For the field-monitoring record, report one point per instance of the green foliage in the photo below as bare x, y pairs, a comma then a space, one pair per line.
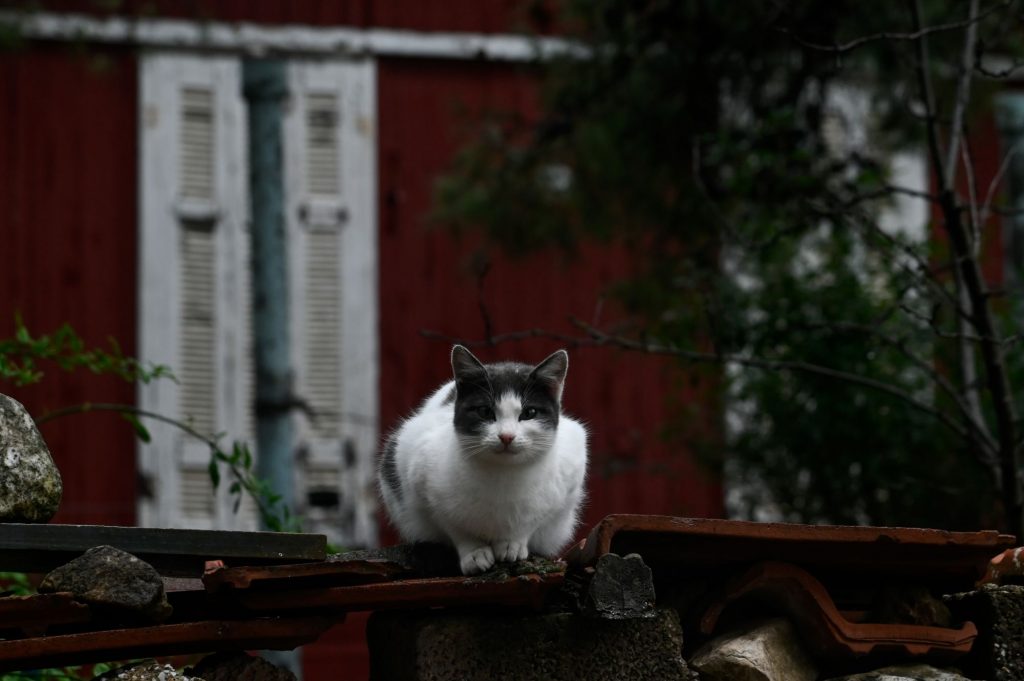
15, 584
275, 515
61, 674
708, 138
20, 357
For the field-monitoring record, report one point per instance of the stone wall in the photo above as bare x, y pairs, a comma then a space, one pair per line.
575, 640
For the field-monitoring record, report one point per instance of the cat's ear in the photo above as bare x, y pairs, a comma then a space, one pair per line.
551, 372
465, 366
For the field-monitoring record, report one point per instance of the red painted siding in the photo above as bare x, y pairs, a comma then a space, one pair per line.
427, 284
473, 16
67, 163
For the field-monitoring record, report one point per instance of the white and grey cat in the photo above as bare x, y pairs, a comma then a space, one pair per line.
489, 463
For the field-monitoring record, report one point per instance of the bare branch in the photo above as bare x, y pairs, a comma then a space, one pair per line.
993, 186
991, 347
600, 338
839, 48
907, 191
491, 341
963, 93
974, 225
209, 440
971, 416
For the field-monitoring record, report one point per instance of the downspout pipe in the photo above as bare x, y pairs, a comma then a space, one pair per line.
265, 87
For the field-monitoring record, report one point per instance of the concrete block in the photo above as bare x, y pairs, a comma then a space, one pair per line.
769, 650
447, 646
998, 612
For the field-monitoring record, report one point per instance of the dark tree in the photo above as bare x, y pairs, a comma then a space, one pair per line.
745, 151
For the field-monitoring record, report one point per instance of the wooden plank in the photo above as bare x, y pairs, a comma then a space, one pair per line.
173, 552
169, 639
33, 615
524, 591
708, 543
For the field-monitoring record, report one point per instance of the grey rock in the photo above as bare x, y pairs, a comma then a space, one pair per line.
998, 612
240, 667
768, 650
913, 672
148, 670
117, 585
910, 604
448, 646
621, 588
30, 484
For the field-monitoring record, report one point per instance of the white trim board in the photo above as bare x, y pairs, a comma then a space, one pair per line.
289, 39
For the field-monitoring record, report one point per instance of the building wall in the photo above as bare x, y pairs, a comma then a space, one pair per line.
473, 16
67, 242
70, 193
68, 184
428, 283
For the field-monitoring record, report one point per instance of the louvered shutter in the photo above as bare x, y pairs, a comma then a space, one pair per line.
195, 306
330, 150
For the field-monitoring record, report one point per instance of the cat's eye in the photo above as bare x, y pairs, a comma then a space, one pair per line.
485, 412
528, 413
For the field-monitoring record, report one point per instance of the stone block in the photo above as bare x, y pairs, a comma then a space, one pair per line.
116, 584
147, 670
30, 485
449, 646
621, 588
998, 612
910, 672
239, 667
769, 650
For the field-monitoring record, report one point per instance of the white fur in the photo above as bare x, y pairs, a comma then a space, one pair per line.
491, 503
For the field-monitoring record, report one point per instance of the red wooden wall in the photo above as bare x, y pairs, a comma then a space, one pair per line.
68, 187
67, 242
427, 283
472, 16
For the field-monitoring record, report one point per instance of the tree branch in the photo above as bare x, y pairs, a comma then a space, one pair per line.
991, 347
963, 93
839, 48
241, 476
600, 338
972, 417
993, 186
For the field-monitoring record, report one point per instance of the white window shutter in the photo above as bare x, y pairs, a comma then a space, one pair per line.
330, 171
194, 312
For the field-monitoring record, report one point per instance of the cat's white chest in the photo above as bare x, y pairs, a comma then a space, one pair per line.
493, 502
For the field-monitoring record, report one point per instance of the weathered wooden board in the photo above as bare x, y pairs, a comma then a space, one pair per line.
33, 615
40, 548
168, 639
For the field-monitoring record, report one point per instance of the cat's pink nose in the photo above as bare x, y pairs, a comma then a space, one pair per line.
506, 438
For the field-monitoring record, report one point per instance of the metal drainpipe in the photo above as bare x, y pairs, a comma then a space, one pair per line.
265, 88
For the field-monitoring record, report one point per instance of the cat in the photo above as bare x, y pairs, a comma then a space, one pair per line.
489, 463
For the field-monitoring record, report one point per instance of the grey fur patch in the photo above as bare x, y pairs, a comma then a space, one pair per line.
450, 397
389, 468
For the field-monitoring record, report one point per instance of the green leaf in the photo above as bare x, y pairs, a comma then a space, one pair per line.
140, 430
214, 470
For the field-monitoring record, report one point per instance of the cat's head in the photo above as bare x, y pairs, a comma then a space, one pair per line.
508, 411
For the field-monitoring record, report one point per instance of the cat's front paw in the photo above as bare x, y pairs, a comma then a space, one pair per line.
477, 561
510, 551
